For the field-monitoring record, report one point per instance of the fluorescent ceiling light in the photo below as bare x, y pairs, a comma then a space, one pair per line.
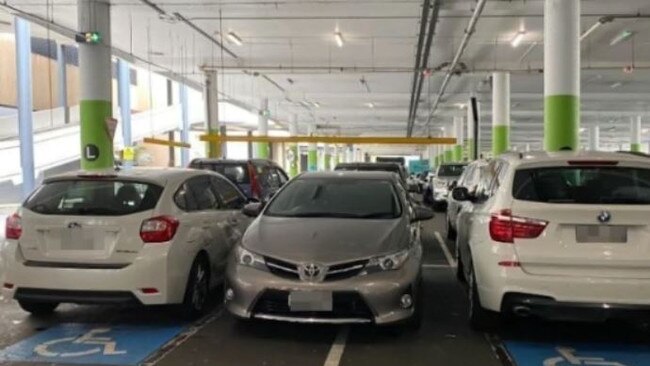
338, 37
518, 38
621, 37
460, 105
590, 30
234, 38
370, 105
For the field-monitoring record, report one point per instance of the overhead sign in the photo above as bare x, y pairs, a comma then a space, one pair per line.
577, 354
88, 344
418, 166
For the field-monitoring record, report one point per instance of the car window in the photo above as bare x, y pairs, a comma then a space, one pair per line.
451, 170
184, 198
230, 197
583, 185
484, 187
283, 177
235, 172
203, 194
466, 177
341, 198
100, 197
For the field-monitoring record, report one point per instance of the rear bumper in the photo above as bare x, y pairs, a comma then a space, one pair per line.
549, 308
93, 285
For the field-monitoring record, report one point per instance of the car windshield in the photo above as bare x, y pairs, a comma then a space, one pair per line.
94, 197
451, 170
344, 198
236, 173
583, 185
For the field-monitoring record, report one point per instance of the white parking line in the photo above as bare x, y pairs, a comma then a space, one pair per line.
336, 352
443, 246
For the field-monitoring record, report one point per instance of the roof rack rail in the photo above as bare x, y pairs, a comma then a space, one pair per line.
635, 153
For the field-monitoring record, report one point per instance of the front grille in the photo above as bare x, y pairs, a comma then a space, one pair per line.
345, 270
281, 268
346, 304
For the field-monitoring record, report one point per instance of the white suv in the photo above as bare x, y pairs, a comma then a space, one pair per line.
557, 235
144, 236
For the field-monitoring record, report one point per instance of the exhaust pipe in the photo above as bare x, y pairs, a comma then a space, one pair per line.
521, 311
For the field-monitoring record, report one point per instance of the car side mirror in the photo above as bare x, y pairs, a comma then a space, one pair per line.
453, 184
421, 214
461, 194
413, 188
252, 209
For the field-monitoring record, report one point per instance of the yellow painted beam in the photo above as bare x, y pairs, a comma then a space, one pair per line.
150, 140
380, 140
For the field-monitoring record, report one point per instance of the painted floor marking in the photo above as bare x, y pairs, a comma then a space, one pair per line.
577, 354
445, 250
336, 352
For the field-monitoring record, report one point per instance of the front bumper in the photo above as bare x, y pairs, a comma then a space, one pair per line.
373, 298
93, 285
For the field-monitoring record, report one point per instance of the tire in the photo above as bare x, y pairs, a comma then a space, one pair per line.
451, 233
38, 308
197, 291
480, 319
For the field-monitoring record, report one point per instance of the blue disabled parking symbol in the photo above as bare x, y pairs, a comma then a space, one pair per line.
577, 354
91, 344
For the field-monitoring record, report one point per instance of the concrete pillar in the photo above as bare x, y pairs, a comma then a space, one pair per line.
327, 150
594, 137
95, 81
185, 125
212, 113
312, 152
500, 113
527, 147
124, 99
24, 90
471, 151
262, 148
62, 78
293, 157
561, 75
460, 140
635, 130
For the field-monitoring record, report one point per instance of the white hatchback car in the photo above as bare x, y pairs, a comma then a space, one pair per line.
141, 236
558, 235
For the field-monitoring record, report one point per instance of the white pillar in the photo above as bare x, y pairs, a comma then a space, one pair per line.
460, 139
594, 138
312, 151
561, 75
212, 112
262, 148
500, 112
635, 130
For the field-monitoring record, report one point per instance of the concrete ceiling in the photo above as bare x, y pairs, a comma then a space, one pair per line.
290, 56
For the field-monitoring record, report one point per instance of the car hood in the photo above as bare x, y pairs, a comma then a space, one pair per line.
325, 240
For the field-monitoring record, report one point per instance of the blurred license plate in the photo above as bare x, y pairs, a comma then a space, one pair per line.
601, 234
310, 301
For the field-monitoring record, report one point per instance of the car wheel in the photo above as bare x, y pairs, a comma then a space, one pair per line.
38, 308
480, 319
451, 233
197, 291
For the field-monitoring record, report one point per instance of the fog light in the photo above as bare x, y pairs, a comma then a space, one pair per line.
406, 301
230, 294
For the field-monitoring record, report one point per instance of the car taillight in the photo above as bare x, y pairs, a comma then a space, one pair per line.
13, 227
158, 229
256, 189
505, 228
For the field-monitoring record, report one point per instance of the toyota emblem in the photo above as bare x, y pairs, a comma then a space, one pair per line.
604, 217
311, 271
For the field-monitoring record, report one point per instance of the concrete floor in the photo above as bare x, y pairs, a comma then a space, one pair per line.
444, 339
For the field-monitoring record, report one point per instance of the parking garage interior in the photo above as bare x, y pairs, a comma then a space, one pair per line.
325, 182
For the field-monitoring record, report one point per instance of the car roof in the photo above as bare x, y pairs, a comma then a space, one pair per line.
518, 158
347, 174
234, 161
368, 165
159, 175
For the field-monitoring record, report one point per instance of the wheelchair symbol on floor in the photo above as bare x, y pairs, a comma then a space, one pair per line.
97, 345
568, 357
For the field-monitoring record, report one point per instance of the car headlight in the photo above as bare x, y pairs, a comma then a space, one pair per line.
390, 262
249, 259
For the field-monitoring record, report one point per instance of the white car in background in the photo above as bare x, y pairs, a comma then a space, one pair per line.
558, 235
141, 236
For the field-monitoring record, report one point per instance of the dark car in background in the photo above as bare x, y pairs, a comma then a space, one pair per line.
378, 167
259, 179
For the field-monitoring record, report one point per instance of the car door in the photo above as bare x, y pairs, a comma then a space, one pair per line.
453, 206
232, 201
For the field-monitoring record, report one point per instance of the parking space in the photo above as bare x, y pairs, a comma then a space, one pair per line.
131, 336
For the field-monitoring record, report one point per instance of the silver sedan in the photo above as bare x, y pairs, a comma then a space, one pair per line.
339, 247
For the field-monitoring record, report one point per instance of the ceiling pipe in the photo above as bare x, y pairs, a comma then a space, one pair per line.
418, 55
452, 68
181, 18
425, 63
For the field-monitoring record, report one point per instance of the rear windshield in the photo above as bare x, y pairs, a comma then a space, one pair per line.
236, 173
94, 197
583, 185
451, 170
344, 198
